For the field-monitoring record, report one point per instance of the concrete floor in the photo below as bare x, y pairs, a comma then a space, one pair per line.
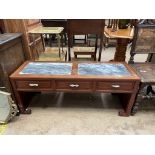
97, 113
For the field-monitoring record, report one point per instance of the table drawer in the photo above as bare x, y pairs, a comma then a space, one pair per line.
120, 86
74, 85
33, 84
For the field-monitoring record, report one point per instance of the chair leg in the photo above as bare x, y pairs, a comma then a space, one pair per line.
65, 38
106, 42
75, 55
50, 40
66, 56
93, 56
135, 107
138, 100
131, 60
73, 39
149, 58
85, 39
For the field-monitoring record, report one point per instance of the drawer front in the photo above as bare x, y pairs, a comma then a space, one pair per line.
74, 85
33, 84
114, 86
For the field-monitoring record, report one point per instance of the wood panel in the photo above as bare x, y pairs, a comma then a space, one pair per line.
23, 26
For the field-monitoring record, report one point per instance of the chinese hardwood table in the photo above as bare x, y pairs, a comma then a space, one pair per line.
122, 36
107, 77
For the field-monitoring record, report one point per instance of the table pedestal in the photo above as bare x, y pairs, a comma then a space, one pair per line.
121, 47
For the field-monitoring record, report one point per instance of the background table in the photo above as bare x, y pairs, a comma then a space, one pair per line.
122, 36
46, 30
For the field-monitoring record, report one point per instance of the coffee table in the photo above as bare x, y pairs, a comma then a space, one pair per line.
107, 77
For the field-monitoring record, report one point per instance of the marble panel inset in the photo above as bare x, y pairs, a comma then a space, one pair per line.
103, 69
46, 68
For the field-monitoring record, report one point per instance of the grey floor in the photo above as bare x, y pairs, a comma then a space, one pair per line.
83, 113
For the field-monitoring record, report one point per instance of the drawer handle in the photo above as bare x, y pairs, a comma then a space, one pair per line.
74, 85
115, 86
33, 85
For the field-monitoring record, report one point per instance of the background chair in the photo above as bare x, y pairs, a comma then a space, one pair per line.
144, 43
85, 27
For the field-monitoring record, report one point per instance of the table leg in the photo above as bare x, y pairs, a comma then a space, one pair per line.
128, 101
43, 41
62, 38
58, 41
69, 54
22, 99
100, 49
70, 41
35, 49
121, 47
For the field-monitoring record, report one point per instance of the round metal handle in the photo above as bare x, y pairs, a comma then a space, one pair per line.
74, 85
116, 86
33, 85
